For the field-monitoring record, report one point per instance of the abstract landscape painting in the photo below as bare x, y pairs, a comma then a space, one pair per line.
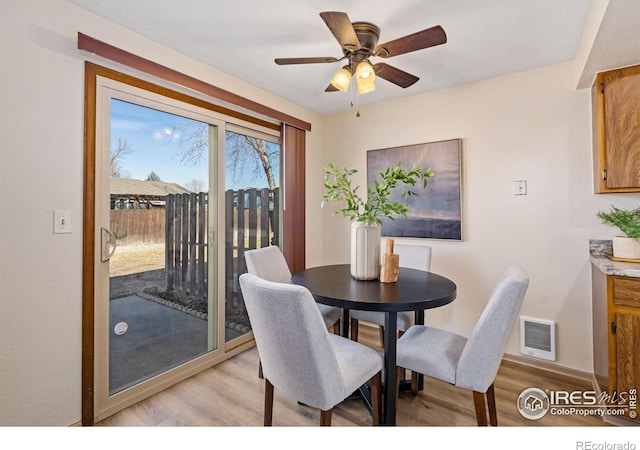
435, 211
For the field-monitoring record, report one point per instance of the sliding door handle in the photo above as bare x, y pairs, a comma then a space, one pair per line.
107, 239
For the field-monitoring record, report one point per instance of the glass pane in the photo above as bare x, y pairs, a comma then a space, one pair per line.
159, 290
253, 215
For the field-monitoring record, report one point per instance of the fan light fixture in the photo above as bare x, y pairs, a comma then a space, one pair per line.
342, 79
364, 70
365, 78
365, 87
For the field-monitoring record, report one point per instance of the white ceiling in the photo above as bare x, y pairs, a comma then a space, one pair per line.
486, 39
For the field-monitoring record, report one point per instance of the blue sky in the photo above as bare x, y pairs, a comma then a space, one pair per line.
155, 146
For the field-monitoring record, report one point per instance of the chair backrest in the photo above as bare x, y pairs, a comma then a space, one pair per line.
268, 263
293, 342
413, 256
483, 352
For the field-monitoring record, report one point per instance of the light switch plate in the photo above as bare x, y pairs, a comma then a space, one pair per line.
520, 187
61, 221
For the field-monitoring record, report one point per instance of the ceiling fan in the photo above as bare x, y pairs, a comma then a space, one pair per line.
359, 42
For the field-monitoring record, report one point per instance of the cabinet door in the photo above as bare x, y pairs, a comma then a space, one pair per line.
622, 127
628, 355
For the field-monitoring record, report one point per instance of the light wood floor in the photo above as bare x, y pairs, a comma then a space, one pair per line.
231, 395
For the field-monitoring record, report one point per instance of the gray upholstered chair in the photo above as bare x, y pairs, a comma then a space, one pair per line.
412, 256
269, 263
300, 357
468, 363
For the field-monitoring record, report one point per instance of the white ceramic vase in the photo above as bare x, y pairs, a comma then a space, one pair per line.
626, 248
365, 251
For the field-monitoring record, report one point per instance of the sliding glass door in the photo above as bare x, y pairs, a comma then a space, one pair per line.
158, 317
253, 212
158, 243
180, 191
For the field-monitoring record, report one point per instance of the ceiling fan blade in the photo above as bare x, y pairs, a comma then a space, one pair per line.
342, 29
395, 75
331, 88
312, 60
417, 41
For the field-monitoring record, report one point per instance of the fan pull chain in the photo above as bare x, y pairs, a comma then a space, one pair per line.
357, 112
354, 93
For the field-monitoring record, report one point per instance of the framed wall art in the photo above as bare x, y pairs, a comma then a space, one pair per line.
435, 211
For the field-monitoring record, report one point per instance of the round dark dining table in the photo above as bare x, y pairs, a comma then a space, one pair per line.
415, 290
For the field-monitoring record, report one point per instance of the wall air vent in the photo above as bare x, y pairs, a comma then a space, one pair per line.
538, 338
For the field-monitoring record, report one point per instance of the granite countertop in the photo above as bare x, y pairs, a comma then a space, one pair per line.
598, 250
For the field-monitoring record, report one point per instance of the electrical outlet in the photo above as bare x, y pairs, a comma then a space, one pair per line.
61, 221
520, 187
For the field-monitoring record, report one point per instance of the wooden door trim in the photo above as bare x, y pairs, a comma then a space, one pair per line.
116, 54
88, 246
293, 239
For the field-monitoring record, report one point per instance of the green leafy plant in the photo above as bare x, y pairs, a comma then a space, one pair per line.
626, 220
339, 189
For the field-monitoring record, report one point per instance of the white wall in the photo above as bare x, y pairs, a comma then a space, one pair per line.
531, 126
41, 169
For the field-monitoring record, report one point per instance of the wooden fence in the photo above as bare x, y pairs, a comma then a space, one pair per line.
132, 226
251, 221
249, 224
186, 238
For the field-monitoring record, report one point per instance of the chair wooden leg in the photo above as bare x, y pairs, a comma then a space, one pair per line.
354, 330
268, 403
336, 327
403, 373
325, 418
376, 399
414, 382
399, 371
491, 403
481, 412
260, 374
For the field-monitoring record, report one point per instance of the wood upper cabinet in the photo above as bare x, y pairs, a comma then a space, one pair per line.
615, 99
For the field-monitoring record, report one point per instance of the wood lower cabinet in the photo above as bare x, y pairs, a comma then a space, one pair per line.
615, 98
627, 352
616, 337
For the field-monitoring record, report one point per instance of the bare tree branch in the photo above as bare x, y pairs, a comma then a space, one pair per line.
193, 138
244, 153
195, 185
117, 155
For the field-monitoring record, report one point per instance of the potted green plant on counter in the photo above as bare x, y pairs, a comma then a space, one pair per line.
627, 221
366, 214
